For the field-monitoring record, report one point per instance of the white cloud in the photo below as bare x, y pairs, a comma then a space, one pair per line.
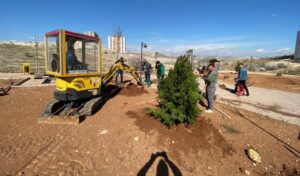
260, 50
208, 47
283, 50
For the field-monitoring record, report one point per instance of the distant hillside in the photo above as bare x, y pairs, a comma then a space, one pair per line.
13, 55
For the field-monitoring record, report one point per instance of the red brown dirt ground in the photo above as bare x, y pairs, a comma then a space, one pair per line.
5, 82
284, 83
121, 140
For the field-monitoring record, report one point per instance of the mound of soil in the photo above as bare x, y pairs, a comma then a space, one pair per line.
286, 171
132, 90
201, 135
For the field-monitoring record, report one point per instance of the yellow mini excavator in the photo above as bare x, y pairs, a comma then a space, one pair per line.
75, 61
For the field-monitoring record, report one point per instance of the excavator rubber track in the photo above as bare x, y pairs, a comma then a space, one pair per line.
91, 106
53, 108
94, 104
59, 112
51, 114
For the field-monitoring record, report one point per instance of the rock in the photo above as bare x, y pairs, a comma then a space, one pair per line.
253, 155
136, 138
247, 172
103, 132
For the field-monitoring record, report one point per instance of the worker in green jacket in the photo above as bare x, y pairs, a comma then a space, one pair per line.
210, 81
160, 70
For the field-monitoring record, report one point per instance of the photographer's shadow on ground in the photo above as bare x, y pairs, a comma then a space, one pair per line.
162, 168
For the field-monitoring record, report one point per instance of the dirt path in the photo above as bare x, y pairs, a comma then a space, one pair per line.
120, 139
269, 81
276, 104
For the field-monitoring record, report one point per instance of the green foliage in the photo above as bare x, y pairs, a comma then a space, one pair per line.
178, 95
295, 71
279, 74
27, 54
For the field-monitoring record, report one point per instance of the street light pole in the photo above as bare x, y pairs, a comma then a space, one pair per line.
37, 54
143, 45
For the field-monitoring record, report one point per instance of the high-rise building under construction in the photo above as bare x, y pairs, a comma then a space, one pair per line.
117, 43
297, 48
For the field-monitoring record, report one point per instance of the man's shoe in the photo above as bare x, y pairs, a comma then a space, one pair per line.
209, 111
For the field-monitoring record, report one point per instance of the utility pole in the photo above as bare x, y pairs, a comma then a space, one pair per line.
37, 54
251, 62
143, 45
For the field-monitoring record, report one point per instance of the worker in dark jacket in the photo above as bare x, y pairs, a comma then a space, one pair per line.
242, 79
147, 70
210, 81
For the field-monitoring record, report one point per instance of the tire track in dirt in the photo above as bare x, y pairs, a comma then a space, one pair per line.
44, 154
21, 130
18, 149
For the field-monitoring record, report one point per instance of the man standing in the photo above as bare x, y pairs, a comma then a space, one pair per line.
160, 70
242, 78
216, 65
147, 69
210, 81
120, 72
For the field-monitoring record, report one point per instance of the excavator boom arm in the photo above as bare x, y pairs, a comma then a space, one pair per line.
120, 67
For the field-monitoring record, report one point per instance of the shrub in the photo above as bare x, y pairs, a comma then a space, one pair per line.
178, 95
271, 66
279, 74
281, 65
295, 71
27, 54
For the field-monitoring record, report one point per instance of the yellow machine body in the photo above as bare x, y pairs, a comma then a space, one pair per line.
74, 82
75, 61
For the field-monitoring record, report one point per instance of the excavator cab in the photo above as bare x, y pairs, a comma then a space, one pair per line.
75, 60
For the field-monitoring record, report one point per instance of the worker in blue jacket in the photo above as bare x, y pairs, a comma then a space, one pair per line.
242, 79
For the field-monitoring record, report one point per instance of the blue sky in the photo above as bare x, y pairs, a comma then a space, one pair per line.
210, 27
